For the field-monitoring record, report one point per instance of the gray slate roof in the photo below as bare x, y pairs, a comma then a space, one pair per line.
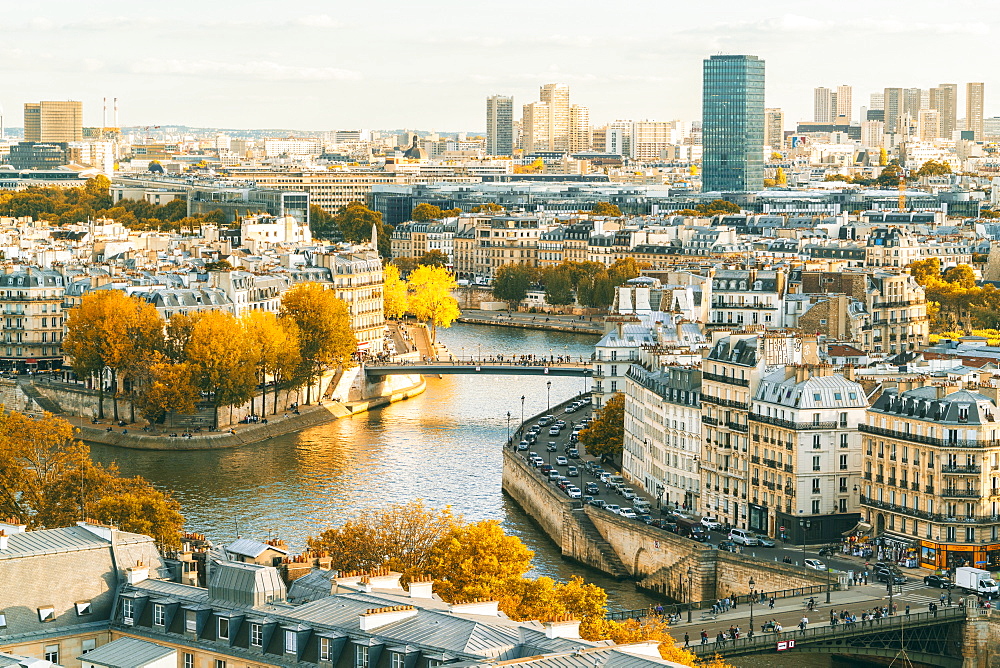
127, 653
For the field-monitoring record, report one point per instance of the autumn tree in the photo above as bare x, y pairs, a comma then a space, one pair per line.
431, 299
716, 207
605, 435
164, 387
48, 480
558, 285
223, 358
322, 224
178, 335
326, 338
487, 207
405, 265
355, 222
394, 293
511, 283
425, 212
934, 168
276, 342
606, 209
780, 178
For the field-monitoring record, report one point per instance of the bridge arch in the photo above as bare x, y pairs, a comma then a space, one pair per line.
635, 562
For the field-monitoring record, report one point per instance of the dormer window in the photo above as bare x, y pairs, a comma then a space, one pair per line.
963, 413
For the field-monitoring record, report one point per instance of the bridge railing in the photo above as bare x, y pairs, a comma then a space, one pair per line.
744, 599
763, 640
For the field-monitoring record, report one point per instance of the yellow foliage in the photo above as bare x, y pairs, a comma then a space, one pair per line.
431, 299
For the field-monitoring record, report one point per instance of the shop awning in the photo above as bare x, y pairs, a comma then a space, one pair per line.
860, 527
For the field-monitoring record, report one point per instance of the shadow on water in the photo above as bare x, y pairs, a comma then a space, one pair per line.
443, 446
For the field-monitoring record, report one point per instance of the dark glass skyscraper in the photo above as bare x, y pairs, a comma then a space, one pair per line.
732, 124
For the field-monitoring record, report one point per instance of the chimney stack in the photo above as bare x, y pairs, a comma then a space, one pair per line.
375, 618
422, 589
3, 541
136, 574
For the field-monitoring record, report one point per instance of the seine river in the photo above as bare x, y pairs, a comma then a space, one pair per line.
443, 446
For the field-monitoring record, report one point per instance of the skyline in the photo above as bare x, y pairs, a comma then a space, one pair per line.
312, 69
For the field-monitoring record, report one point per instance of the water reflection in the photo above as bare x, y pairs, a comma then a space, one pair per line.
442, 446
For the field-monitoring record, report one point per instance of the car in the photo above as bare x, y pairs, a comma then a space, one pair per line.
815, 564
534, 429
764, 541
553, 474
573, 472
531, 438
887, 576
547, 420
546, 468
727, 546
644, 517
532, 454
628, 493
574, 492
587, 498
887, 566
536, 461
553, 431
561, 424
710, 522
743, 537
627, 513
592, 488
600, 503
551, 447
561, 461
612, 507
604, 476
570, 409
938, 581
523, 445
642, 505
573, 453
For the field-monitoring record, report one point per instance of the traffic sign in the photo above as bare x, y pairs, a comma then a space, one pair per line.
785, 644
782, 529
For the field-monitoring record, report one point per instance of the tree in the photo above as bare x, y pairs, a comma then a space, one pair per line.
716, 207
924, 271
326, 338
277, 344
487, 207
780, 178
961, 275
424, 212
394, 293
355, 222
48, 480
221, 265
511, 283
934, 168
431, 299
625, 269
890, 176
400, 536
434, 258
165, 387
606, 209
110, 330
223, 358
605, 435
837, 177
883, 157
405, 265
322, 224
477, 561
558, 286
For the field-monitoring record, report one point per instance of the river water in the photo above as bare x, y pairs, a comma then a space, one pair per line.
443, 446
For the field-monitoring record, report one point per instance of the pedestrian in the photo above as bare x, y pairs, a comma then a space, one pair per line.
803, 623
720, 639
704, 637
942, 598
907, 611
687, 639
770, 605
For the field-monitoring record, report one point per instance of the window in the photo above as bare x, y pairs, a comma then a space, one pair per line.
324, 649
815, 507
52, 653
3, 621
815, 486
190, 621
816, 465
257, 635
843, 462
188, 660
46, 613
88, 645
291, 642
816, 442
361, 656
843, 441
83, 608
127, 610
223, 628
396, 660
159, 614
970, 534
220, 663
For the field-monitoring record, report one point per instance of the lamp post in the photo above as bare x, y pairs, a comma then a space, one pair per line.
521, 428
508, 427
805, 525
690, 596
752, 585
548, 396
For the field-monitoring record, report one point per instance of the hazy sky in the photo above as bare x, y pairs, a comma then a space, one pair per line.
430, 64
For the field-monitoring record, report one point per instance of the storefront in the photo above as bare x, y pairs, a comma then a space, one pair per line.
950, 556
759, 521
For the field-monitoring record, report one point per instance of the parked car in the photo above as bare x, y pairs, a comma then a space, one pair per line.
641, 505
627, 513
523, 445
574, 492
628, 493
815, 564
612, 507
600, 503
938, 581
711, 522
592, 488
551, 447
554, 473
764, 541
561, 461
743, 537
572, 472
644, 517
727, 546
546, 468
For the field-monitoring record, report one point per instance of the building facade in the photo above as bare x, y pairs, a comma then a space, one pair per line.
500, 125
53, 121
733, 124
31, 303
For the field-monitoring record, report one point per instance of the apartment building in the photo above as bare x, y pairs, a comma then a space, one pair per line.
805, 461
897, 306
53, 121
730, 376
747, 297
357, 277
31, 315
930, 481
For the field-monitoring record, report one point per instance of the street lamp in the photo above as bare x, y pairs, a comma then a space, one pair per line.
805, 526
508, 427
521, 428
752, 585
548, 396
690, 597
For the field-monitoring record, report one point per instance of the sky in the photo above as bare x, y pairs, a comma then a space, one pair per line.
429, 65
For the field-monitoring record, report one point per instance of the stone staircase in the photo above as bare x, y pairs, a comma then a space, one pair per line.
43, 403
583, 542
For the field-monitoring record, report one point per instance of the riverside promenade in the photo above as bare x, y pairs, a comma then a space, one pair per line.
542, 321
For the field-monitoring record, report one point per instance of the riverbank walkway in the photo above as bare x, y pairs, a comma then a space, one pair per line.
541, 321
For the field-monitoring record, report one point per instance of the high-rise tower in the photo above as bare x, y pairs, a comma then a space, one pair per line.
500, 125
53, 121
974, 108
733, 123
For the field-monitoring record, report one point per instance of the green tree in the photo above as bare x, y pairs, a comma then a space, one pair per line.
889, 178
606, 209
434, 258
558, 286
326, 338
323, 225
605, 436
355, 223
431, 299
511, 283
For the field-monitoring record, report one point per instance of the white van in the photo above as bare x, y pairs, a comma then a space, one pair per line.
742, 537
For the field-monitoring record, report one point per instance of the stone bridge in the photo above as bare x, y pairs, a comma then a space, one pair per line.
446, 366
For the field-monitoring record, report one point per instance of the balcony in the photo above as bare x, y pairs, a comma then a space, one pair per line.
961, 493
709, 399
928, 440
892, 481
790, 491
933, 517
915, 486
754, 459
770, 463
966, 469
769, 485
788, 424
879, 478
705, 419
754, 481
929, 489
868, 476
736, 426
729, 380
788, 468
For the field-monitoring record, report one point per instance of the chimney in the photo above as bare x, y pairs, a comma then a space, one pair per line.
477, 607
136, 574
422, 589
12, 525
375, 618
563, 626
3, 541
98, 529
